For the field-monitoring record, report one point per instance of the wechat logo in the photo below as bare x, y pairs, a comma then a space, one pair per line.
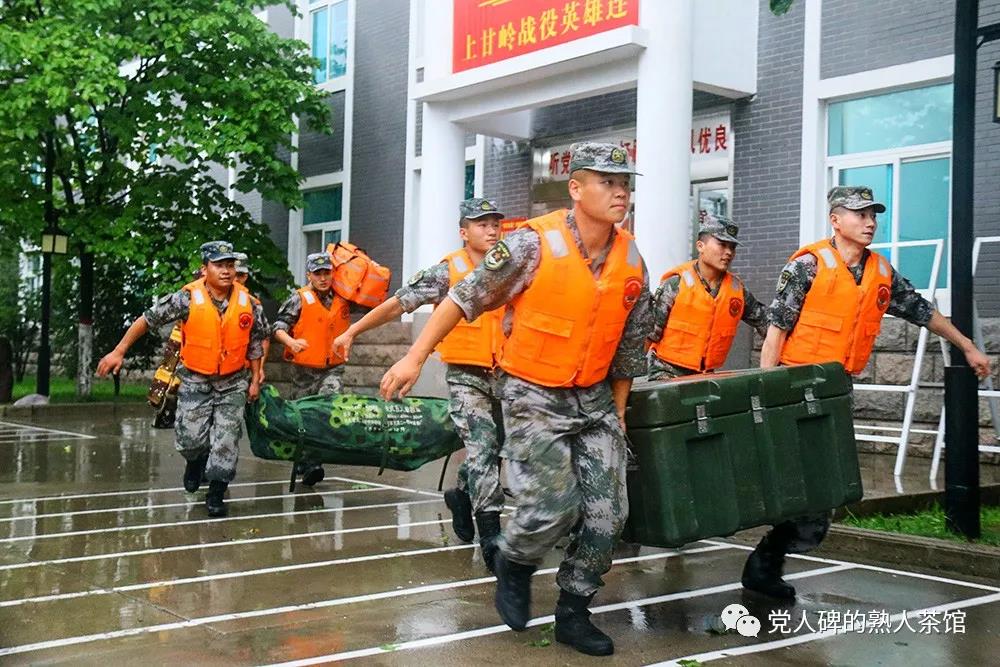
736, 617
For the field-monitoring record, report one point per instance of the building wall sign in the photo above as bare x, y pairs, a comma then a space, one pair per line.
487, 31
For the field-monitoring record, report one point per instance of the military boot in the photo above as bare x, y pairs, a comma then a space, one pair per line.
488, 525
513, 598
193, 473
573, 626
214, 502
460, 504
763, 570
313, 475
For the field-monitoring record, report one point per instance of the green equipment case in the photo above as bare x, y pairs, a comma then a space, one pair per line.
722, 452
350, 429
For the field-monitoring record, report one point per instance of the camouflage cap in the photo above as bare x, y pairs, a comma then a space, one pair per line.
721, 228
477, 207
319, 261
605, 158
242, 262
217, 251
853, 197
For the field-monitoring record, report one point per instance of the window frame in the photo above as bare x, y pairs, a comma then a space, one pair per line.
307, 7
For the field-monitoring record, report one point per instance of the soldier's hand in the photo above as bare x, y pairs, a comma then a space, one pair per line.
342, 345
261, 376
254, 391
979, 363
110, 363
399, 379
298, 345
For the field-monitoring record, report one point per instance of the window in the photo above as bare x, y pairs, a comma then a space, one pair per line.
899, 145
470, 180
321, 218
328, 21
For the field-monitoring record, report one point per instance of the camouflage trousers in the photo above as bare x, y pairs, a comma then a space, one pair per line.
308, 381
565, 451
801, 534
663, 370
210, 421
475, 411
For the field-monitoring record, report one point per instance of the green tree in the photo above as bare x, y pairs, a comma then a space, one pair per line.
139, 102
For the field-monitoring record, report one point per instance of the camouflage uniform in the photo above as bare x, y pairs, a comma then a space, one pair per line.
794, 282
475, 404
307, 381
754, 314
565, 446
210, 407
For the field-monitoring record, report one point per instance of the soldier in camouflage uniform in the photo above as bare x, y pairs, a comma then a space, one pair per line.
475, 405
242, 276
323, 380
853, 213
564, 442
210, 406
717, 241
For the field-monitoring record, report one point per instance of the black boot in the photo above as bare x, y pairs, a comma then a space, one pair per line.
214, 502
763, 569
513, 599
460, 504
313, 475
573, 626
193, 473
488, 525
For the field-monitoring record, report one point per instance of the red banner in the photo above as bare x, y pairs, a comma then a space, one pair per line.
487, 31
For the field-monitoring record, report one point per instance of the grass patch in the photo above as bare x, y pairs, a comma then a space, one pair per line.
63, 390
929, 523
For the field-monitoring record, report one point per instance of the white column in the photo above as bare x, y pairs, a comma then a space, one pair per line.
663, 135
442, 186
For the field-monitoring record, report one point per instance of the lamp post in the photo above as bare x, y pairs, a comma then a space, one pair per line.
54, 242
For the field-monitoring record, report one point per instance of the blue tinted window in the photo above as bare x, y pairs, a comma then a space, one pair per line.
470, 180
879, 178
320, 39
322, 206
338, 40
893, 120
924, 188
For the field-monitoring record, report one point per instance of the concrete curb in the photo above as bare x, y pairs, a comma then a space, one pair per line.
96, 410
909, 503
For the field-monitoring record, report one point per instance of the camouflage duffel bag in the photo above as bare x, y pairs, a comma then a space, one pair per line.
350, 429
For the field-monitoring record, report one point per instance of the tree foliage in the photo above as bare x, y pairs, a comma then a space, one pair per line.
146, 103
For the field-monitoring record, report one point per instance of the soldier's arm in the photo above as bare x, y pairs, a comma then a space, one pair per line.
630, 356
754, 312
663, 302
112, 361
790, 293
170, 308
288, 316
259, 332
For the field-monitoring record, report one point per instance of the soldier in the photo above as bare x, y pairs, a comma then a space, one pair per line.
830, 300
242, 276
314, 315
470, 352
699, 305
579, 312
223, 333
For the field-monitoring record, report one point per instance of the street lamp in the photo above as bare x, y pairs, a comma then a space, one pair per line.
996, 92
54, 242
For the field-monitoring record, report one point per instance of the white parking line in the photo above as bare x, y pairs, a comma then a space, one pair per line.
497, 629
190, 503
219, 618
195, 522
225, 543
106, 494
81, 436
387, 486
813, 636
234, 575
875, 568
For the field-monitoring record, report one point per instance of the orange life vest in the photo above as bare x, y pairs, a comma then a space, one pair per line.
568, 323
320, 327
212, 344
700, 329
474, 343
840, 319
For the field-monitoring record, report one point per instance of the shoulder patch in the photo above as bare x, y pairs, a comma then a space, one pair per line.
415, 278
497, 256
783, 281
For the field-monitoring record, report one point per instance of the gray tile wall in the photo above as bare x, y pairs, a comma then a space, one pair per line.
324, 153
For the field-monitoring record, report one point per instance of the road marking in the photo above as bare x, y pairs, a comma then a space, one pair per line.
813, 636
232, 575
225, 543
233, 616
190, 503
25, 427
875, 568
497, 629
195, 522
106, 494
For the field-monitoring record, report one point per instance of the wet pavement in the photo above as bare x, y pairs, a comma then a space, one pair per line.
105, 560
